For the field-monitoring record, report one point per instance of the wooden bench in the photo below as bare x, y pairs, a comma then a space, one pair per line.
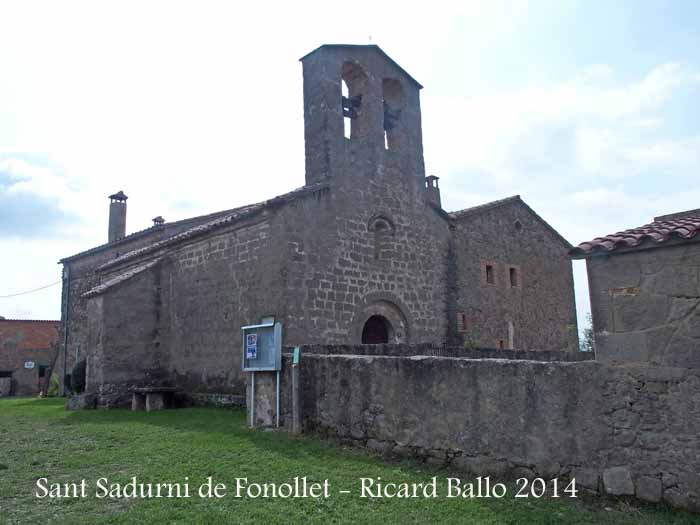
150, 398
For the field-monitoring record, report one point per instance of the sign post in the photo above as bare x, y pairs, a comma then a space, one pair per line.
262, 352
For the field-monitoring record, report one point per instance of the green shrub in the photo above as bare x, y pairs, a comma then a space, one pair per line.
53, 386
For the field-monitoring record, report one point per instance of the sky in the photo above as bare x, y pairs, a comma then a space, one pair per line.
587, 109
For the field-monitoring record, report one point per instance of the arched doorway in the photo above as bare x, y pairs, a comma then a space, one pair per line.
376, 331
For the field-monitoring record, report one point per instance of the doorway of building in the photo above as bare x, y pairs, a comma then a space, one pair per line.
376, 331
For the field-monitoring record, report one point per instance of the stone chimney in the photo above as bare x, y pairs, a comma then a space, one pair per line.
432, 190
117, 216
158, 221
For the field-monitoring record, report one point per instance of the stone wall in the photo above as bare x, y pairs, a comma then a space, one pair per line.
624, 430
539, 306
128, 339
361, 240
23, 341
215, 286
79, 276
25, 381
433, 350
646, 305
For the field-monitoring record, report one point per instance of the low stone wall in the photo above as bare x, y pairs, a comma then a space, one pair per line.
428, 349
622, 430
217, 400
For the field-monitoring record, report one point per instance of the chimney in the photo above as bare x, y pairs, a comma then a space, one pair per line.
158, 221
117, 216
432, 190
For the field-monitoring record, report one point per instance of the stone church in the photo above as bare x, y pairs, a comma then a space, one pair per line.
362, 253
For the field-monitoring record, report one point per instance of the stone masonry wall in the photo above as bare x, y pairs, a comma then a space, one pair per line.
21, 342
624, 430
540, 307
436, 350
79, 276
215, 286
128, 344
646, 305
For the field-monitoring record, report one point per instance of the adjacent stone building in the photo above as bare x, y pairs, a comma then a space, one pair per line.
27, 351
362, 253
645, 292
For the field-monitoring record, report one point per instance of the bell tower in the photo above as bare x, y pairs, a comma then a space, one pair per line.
361, 116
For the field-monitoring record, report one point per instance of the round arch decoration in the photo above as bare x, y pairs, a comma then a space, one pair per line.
381, 308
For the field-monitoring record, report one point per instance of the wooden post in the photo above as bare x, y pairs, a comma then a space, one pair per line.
296, 392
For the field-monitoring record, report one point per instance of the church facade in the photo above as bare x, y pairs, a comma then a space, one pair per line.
362, 253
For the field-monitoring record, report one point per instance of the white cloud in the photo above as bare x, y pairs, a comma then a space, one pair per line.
587, 153
193, 109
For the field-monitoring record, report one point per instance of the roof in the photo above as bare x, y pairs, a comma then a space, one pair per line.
231, 217
683, 226
515, 199
156, 228
28, 334
369, 46
474, 210
119, 196
114, 281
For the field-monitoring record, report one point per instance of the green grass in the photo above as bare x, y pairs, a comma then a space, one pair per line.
39, 439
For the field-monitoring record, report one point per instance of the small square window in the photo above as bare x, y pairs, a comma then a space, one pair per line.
514, 277
462, 322
490, 277
501, 344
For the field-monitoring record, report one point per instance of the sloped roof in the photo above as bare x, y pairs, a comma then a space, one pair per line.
28, 334
515, 199
474, 210
143, 233
114, 281
368, 46
676, 226
231, 217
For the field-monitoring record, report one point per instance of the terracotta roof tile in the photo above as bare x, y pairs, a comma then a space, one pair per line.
683, 226
114, 281
232, 217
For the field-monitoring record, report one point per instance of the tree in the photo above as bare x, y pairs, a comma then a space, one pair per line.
587, 343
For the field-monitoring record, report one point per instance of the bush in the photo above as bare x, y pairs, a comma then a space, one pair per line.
587, 341
53, 387
77, 381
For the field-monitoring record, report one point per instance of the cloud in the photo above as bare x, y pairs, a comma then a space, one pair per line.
187, 122
552, 142
32, 200
592, 154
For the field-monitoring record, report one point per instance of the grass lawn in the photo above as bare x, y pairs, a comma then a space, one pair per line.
38, 438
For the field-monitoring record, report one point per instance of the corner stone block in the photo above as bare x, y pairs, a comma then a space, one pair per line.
81, 402
587, 478
649, 489
618, 481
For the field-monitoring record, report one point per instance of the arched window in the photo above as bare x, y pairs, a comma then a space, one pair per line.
383, 229
353, 85
347, 110
392, 95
